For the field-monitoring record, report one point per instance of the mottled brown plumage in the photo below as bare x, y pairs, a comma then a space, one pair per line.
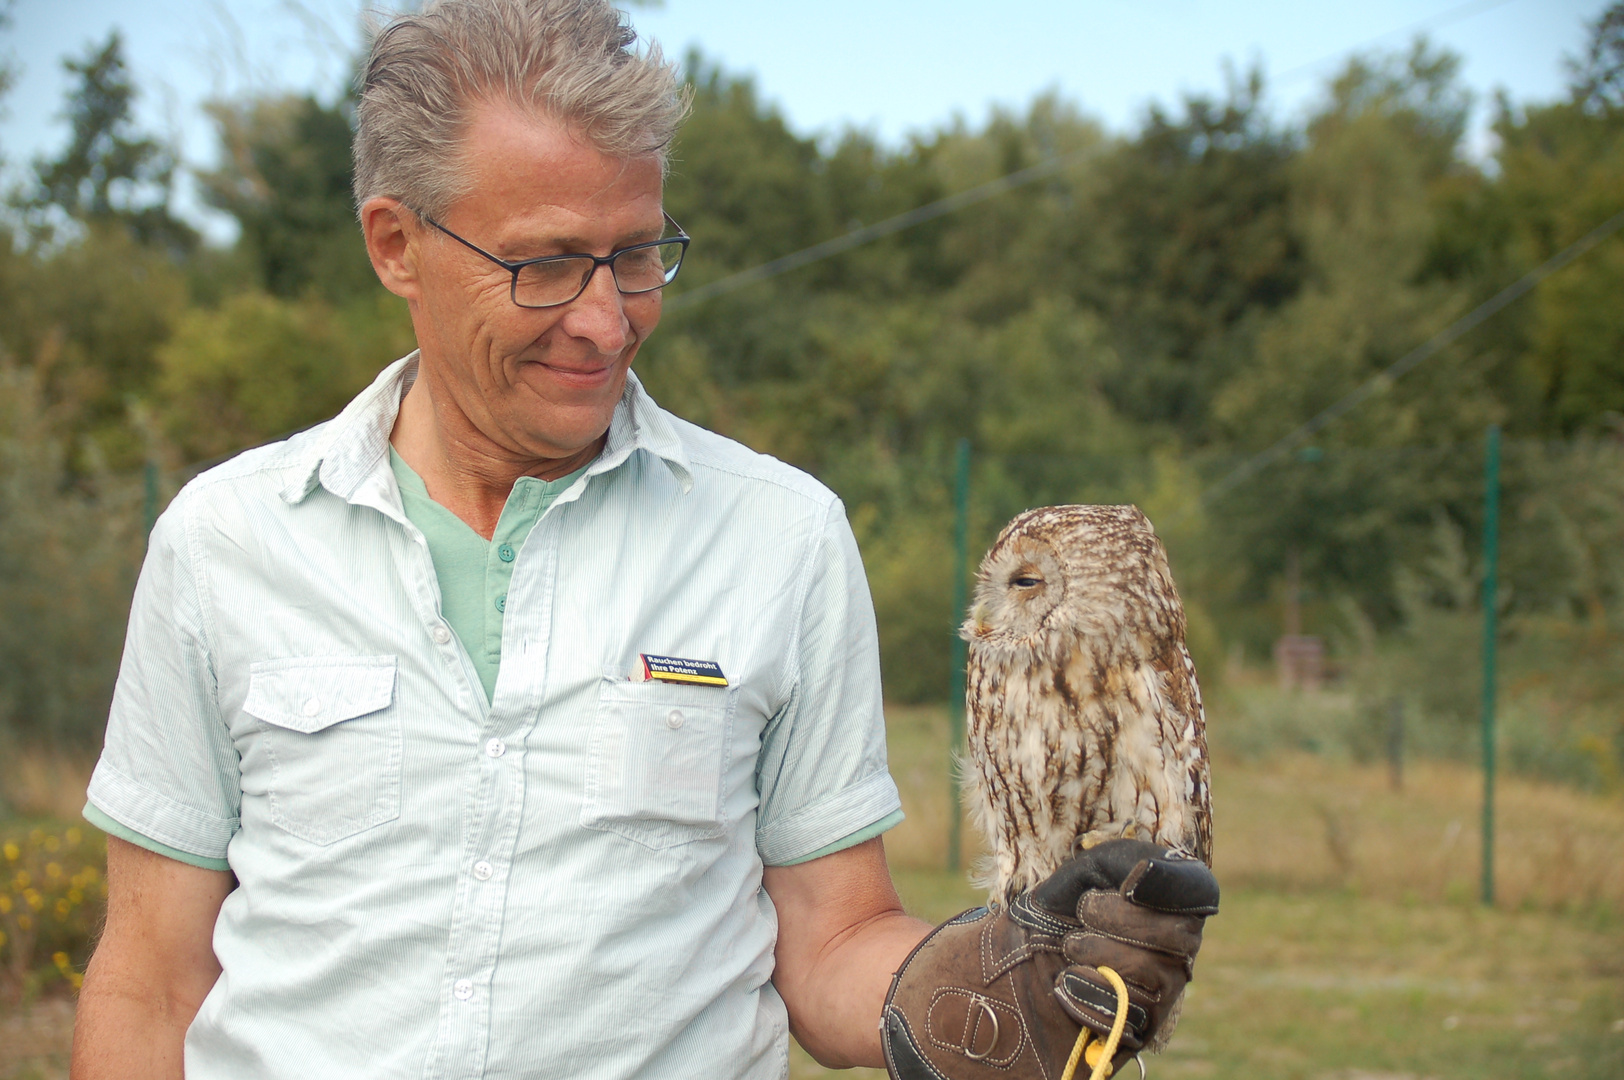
1085, 718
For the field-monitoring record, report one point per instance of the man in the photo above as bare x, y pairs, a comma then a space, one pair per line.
504, 725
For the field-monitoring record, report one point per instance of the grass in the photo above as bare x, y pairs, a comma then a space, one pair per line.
1350, 947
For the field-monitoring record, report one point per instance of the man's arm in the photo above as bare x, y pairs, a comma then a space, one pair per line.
841, 935
152, 968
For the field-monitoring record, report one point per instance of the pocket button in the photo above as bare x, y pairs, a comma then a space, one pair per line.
312, 707
673, 719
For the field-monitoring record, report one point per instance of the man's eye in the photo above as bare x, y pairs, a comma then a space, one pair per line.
1026, 582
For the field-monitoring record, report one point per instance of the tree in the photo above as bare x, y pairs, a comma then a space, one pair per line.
1598, 82
8, 74
286, 179
1198, 244
109, 172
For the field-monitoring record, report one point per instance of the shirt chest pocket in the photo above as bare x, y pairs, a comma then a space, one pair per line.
333, 740
656, 760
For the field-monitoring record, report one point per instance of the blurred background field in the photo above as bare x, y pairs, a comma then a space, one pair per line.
1122, 315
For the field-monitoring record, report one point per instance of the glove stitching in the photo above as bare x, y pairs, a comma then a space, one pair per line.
994, 1004
914, 1040
1095, 931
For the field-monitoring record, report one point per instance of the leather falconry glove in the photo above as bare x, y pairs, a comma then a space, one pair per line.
1001, 992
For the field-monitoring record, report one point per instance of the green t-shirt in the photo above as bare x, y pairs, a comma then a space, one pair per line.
474, 572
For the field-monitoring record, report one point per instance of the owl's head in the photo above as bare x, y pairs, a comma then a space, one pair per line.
1063, 576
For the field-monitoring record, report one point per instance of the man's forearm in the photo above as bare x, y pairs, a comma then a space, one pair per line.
840, 995
125, 1030
152, 968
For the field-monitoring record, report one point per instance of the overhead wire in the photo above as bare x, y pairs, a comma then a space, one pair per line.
1412, 359
867, 233
981, 193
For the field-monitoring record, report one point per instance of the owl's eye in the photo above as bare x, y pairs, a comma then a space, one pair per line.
1026, 582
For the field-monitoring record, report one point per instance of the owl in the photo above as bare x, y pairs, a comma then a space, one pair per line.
1085, 720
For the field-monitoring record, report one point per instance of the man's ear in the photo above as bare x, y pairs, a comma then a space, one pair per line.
392, 233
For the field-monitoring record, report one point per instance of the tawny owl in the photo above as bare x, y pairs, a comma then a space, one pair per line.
1085, 720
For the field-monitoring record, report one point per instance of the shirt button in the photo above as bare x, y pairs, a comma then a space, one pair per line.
442, 635
312, 707
673, 719
501, 603
462, 989
496, 748
483, 870
505, 553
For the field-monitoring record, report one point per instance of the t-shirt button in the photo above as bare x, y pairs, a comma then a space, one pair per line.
496, 748
462, 989
501, 603
505, 553
312, 707
441, 635
483, 870
673, 719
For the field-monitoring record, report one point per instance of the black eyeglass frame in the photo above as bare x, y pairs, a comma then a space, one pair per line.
608, 260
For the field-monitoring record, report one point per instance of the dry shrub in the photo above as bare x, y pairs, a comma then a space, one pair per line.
1302, 822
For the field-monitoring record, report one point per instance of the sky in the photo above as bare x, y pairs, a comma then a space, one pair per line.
891, 67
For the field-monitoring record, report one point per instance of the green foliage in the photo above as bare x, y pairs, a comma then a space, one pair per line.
259, 368
88, 317
1599, 76
68, 549
109, 171
1198, 243
1158, 306
286, 179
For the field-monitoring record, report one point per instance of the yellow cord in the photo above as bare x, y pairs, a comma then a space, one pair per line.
1100, 1053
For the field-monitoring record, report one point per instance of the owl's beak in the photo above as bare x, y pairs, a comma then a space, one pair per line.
978, 615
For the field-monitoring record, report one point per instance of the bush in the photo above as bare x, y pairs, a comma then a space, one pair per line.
53, 890
69, 549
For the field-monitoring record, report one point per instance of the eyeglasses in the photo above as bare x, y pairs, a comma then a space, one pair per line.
553, 280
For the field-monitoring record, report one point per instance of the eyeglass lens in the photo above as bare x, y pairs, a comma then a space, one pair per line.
558, 281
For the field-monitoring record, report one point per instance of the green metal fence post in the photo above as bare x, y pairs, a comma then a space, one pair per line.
1491, 573
955, 704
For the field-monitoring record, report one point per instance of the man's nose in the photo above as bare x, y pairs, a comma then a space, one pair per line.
599, 313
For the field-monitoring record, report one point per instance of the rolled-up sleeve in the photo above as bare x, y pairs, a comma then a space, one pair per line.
822, 771
168, 769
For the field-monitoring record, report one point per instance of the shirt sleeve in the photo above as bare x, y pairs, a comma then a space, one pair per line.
168, 770
822, 771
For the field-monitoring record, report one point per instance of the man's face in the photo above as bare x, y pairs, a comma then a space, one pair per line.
539, 383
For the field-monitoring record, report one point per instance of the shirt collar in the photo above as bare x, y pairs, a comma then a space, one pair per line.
355, 443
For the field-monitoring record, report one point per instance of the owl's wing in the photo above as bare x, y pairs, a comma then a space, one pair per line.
1184, 733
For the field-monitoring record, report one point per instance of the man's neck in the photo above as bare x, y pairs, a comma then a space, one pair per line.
463, 469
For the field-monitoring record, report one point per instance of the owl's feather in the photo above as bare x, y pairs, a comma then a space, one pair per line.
1085, 718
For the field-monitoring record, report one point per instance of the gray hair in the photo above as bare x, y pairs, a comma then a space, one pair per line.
572, 61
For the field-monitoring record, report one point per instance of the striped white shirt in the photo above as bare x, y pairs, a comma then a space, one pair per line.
565, 881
